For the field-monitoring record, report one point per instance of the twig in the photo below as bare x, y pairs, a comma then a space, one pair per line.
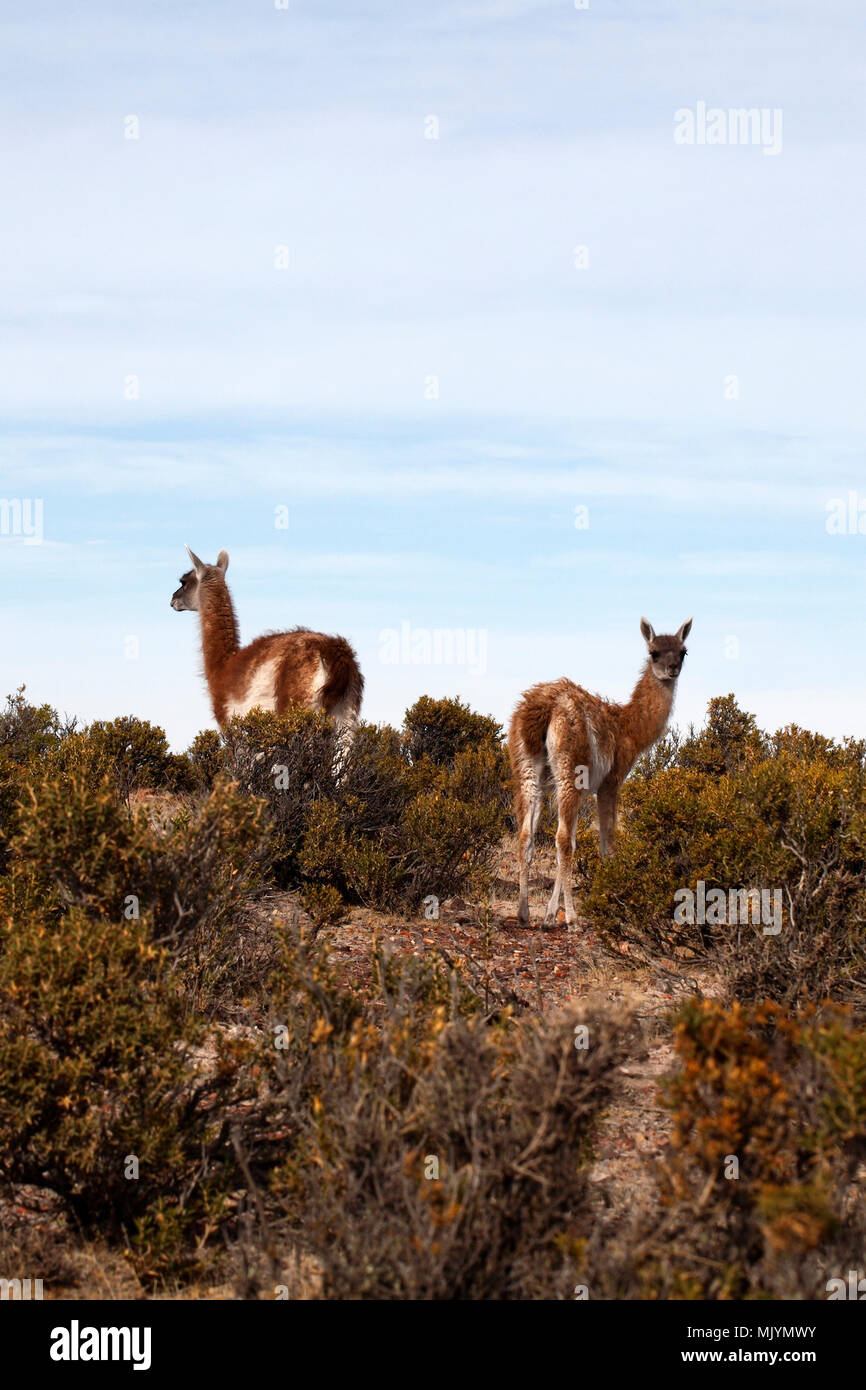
537, 977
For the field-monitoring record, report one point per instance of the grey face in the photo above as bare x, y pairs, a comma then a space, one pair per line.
185, 599
667, 655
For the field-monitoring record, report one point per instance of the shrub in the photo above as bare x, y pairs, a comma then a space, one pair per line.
420, 1150
121, 935
803, 745
666, 830
443, 842
286, 760
788, 818
760, 1198
337, 855
99, 1074
660, 756
370, 828
449, 839
78, 847
440, 729
375, 782
729, 740
207, 759
28, 734
137, 755
323, 903
805, 832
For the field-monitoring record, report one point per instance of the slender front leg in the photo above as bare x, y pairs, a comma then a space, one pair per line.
528, 800
553, 901
606, 797
528, 810
567, 868
569, 805
524, 859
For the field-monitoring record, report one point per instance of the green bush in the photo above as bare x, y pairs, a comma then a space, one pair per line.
28, 732
78, 847
28, 735
440, 729
122, 934
376, 827
786, 816
207, 759
729, 740
99, 1074
443, 843
287, 761
137, 755
803, 745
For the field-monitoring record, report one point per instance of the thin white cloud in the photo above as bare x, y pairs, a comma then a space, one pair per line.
767, 564
740, 472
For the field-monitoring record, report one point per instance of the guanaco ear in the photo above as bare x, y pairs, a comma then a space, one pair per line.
647, 631
685, 630
199, 564
223, 560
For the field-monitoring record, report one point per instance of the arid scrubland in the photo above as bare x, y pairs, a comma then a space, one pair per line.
270, 1028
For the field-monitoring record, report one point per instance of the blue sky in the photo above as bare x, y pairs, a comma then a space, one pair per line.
412, 258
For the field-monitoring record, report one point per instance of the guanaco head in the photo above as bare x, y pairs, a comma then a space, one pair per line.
186, 598
667, 654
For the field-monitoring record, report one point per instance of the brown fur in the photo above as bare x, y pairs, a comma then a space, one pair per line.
299, 657
561, 734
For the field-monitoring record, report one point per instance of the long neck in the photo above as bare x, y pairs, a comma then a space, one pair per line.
219, 627
643, 719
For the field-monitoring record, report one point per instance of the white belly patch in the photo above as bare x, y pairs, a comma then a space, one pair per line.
260, 693
318, 686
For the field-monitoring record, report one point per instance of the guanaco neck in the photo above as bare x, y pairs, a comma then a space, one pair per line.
219, 626
643, 719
